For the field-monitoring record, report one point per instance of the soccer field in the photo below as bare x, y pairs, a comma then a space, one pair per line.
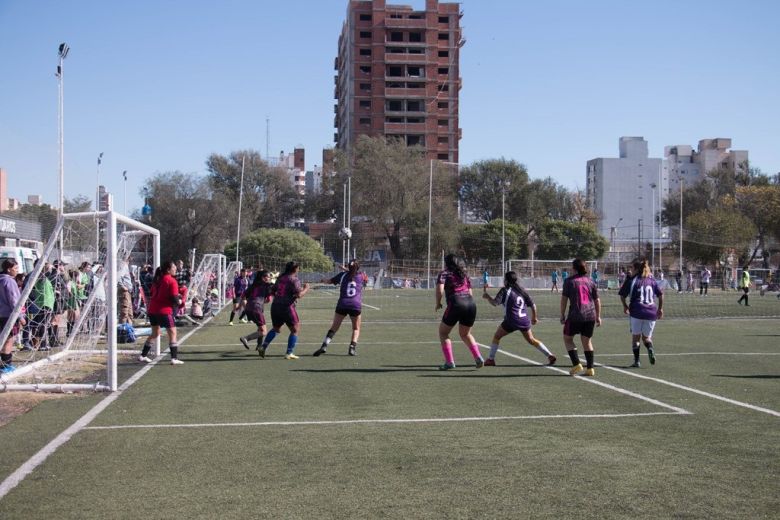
387, 435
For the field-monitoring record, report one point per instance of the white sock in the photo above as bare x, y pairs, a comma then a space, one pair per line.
544, 350
493, 350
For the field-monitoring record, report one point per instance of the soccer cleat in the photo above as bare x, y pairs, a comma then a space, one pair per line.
25, 348
575, 369
651, 355
261, 350
352, 350
490, 362
244, 342
447, 366
551, 360
479, 362
635, 364
244, 320
290, 356
7, 368
230, 323
589, 372
320, 351
176, 361
44, 348
144, 359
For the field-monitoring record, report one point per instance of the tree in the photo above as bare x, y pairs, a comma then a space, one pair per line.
269, 198
483, 241
189, 214
482, 184
710, 233
389, 186
78, 204
275, 247
760, 204
557, 240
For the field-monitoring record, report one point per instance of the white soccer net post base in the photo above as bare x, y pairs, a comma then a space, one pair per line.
73, 343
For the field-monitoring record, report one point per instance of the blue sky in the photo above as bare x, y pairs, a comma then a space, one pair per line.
158, 86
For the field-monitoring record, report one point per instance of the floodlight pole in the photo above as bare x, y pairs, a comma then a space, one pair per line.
430, 213
63, 53
652, 255
97, 207
124, 175
681, 224
240, 200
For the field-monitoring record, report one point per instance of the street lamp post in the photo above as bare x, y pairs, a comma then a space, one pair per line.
504, 186
616, 255
240, 200
62, 53
430, 212
652, 255
97, 207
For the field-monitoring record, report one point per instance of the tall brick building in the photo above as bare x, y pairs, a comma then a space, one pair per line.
399, 75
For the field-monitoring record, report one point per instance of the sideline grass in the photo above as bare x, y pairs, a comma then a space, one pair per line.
720, 462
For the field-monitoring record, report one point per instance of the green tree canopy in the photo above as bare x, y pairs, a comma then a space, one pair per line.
275, 247
558, 240
483, 241
710, 233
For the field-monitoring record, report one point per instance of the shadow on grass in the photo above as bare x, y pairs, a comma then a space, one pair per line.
748, 377
360, 370
483, 375
762, 335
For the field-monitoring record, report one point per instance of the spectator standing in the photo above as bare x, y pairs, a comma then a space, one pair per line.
183, 278
704, 286
678, 279
9, 297
125, 294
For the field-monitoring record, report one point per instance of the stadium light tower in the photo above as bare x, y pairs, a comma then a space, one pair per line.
652, 262
430, 212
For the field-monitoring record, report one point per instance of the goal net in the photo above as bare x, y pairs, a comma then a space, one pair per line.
208, 281
65, 324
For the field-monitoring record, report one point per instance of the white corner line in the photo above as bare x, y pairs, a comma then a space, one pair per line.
15, 478
591, 380
693, 390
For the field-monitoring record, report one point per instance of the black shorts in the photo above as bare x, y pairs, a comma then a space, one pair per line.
583, 328
341, 311
165, 321
283, 315
258, 318
460, 309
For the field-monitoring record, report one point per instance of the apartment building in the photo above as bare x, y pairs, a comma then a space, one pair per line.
685, 164
398, 75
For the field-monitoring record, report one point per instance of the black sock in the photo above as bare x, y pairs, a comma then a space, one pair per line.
174, 351
232, 315
259, 340
353, 344
6, 358
635, 350
243, 315
649, 345
575, 359
589, 358
146, 349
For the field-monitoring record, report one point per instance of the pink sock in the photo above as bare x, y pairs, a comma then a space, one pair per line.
446, 348
475, 351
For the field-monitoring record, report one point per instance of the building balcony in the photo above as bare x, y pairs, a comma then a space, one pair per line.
413, 59
405, 23
411, 93
404, 128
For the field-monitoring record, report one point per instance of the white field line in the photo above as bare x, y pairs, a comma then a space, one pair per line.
591, 380
698, 354
693, 390
36, 460
377, 421
371, 307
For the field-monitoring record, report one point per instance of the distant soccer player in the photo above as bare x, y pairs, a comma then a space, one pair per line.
582, 296
744, 284
554, 277
162, 305
643, 292
254, 299
454, 283
240, 284
288, 291
350, 304
517, 303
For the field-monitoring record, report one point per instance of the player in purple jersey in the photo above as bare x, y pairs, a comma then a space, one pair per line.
454, 283
642, 291
582, 296
517, 302
350, 304
254, 299
240, 283
288, 290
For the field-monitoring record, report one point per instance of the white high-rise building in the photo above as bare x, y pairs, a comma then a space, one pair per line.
626, 192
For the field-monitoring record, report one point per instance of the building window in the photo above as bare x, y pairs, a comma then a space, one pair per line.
444, 70
443, 157
444, 36
442, 122
414, 106
414, 140
365, 103
394, 119
414, 71
365, 86
365, 17
365, 69
396, 36
415, 120
395, 105
444, 140
365, 120
415, 37
395, 70
365, 52
365, 34
444, 54
444, 19
444, 88
443, 104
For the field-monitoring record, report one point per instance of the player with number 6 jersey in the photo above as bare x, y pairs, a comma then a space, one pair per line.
642, 308
350, 304
517, 305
